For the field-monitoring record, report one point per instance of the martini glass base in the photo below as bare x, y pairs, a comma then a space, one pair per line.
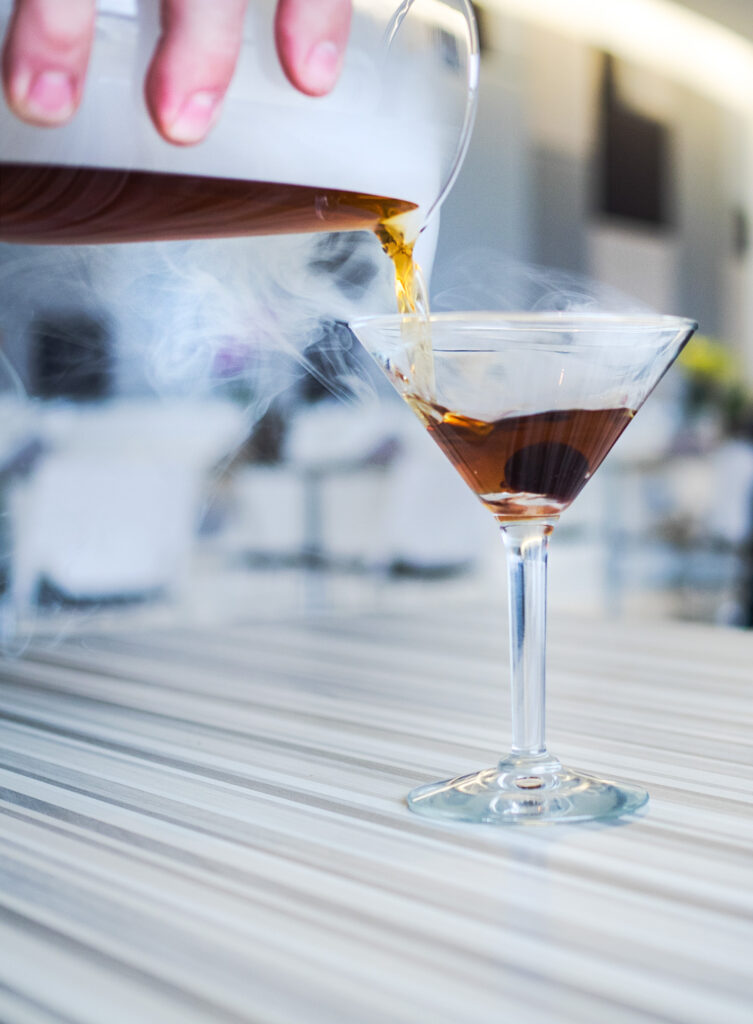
526, 791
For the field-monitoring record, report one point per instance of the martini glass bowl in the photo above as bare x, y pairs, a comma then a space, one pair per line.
526, 407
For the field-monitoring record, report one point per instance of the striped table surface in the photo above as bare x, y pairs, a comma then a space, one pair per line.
208, 826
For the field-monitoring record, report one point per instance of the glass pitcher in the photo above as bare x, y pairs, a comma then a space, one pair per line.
386, 142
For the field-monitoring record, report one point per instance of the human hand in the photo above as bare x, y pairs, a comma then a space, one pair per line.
48, 44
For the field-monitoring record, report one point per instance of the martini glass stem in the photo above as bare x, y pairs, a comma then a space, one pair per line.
526, 544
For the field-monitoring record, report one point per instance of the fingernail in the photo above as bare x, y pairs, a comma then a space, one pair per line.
322, 67
195, 117
51, 97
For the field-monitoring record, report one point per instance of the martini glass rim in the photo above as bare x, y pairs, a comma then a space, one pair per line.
550, 322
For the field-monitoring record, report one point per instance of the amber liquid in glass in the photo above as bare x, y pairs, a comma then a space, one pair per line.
530, 466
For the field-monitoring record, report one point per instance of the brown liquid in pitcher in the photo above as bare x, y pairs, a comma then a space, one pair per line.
83, 205
525, 466
61, 205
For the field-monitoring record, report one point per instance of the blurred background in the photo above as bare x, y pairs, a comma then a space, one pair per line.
186, 435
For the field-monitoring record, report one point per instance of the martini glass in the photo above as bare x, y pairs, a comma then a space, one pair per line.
525, 407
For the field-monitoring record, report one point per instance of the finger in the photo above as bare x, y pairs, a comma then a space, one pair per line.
311, 37
45, 58
192, 66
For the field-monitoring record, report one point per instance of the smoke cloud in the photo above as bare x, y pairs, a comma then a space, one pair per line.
485, 280
218, 324
189, 317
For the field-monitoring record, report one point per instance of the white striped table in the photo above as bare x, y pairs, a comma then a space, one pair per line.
208, 826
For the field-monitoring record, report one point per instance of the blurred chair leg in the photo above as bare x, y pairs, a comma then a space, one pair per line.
746, 584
